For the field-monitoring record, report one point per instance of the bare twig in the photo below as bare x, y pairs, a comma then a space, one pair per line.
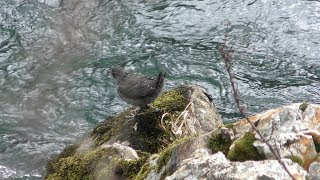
228, 65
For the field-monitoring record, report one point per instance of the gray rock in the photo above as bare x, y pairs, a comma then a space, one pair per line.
314, 171
51, 3
122, 150
290, 131
202, 165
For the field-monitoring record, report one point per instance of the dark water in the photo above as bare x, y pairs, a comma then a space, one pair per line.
54, 58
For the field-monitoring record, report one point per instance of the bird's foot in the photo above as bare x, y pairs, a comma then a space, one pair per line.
153, 108
137, 110
133, 113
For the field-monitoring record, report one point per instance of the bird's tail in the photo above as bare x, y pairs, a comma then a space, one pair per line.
160, 79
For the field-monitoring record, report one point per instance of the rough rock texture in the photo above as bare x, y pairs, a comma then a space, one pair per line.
314, 171
204, 165
193, 160
124, 145
187, 140
295, 134
293, 130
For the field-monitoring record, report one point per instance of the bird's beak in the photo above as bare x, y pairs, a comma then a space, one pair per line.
164, 73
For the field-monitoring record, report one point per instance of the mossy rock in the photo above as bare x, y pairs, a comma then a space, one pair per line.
304, 106
296, 159
244, 150
217, 143
144, 132
229, 126
166, 153
144, 170
78, 167
130, 168
67, 151
173, 100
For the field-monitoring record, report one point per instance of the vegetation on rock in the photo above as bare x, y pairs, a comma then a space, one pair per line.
296, 159
78, 167
303, 106
244, 150
130, 168
144, 133
174, 100
217, 143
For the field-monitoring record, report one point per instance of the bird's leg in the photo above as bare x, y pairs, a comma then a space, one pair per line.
153, 108
137, 110
133, 113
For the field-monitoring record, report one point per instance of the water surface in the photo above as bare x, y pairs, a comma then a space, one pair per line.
55, 56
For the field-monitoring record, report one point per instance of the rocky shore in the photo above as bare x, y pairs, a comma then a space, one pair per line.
188, 140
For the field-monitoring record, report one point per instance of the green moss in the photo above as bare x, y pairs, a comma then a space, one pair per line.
145, 169
67, 151
69, 168
166, 153
130, 168
110, 127
229, 125
303, 106
296, 159
244, 150
217, 143
149, 135
144, 133
78, 167
164, 157
173, 100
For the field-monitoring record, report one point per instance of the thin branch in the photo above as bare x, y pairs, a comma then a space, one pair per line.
228, 65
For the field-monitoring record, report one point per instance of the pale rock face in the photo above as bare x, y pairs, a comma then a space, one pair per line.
314, 171
206, 115
216, 166
290, 130
201, 116
51, 3
122, 150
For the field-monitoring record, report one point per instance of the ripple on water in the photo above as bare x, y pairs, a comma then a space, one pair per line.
54, 61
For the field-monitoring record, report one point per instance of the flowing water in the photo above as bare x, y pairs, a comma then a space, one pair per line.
55, 56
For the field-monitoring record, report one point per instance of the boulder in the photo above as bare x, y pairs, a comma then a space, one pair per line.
119, 148
187, 140
292, 130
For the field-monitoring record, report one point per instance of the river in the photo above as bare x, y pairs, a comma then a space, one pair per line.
55, 56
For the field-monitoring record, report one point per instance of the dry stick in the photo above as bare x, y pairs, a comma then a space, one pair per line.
227, 60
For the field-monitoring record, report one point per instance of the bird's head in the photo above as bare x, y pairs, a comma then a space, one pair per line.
118, 72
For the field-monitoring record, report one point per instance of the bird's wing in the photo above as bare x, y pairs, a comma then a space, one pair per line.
137, 88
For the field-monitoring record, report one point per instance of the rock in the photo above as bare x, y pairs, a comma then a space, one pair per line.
292, 132
51, 3
122, 150
189, 141
314, 171
227, 134
206, 166
124, 146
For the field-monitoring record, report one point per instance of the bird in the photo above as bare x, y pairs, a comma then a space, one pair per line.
136, 89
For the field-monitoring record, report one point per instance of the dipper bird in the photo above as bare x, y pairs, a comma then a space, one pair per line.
136, 89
